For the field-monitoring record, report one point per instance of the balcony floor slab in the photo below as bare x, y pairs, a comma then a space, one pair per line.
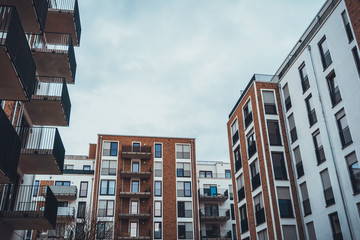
46, 111
40, 162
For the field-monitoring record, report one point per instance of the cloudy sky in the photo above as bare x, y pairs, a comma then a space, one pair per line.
175, 67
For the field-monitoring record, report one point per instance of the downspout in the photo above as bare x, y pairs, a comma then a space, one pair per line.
331, 146
14, 114
196, 203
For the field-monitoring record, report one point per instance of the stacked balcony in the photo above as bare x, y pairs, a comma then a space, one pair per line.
145, 194
63, 193
214, 215
17, 68
213, 194
138, 152
23, 208
142, 215
132, 174
216, 235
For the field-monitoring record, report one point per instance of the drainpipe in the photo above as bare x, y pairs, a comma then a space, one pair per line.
14, 114
331, 145
195, 203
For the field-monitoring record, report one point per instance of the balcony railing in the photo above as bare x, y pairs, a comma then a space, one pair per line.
251, 149
329, 196
50, 104
299, 169
244, 225
63, 192
213, 175
66, 212
288, 103
248, 119
235, 137
238, 165
312, 117
78, 171
307, 207
17, 62
42, 150
216, 235
10, 146
213, 194
142, 152
305, 84
241, 194
335, 96
260, 216
144, 215
293, 135
22, 208
255, 181
131, 174
320, 155
54, 55
143, 195
209, 214
345, 137
41, 9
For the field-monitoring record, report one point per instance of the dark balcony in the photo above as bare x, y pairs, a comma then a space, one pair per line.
244, 225
288, 103
255, 181
248, 119
142, 195
238, 165
241, 194
251, 149
213, 194
65, 213
50, 104
63, 192
260, 216
17, 68
210, 215
305, 84
141, 152
78, 171
216, 235
320, 155
293, 135
63, 17
312, 117
235, 137
130, 174
23, 209
345, 137
54, 55
335, 96
42, 150
10, 146
299, 169
307, 207
329, 196
142, 215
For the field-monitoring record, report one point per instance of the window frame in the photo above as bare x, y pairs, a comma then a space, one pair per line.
158, 154
82, 190
325, 56
107, 187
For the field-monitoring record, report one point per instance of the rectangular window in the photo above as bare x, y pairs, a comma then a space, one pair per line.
235, 132
136, 147
251, 144
133, 229
311, 110
183, 169
304, 78
356, 59
182, 151
110, 149
205, 174
347, 26
232, 211
274, 133
158, 169
158, 190
255, 175
86, 167
319, 149
157, 208
158, 150
305, 199
287, 97
231, 192
69, 167
298, 160
343, 126
259, 209
234, 232
335, 226
247, 114
107, 187
62, 183
293, 133
240, 186
311, 230
157, 230
262, 235
184, 189
100, 233
243, 219
106, 208
237, 158
185, 230
81, 209
227, 174
334, 91
328, 192
83, 189
324, 53
279, 165
354, 171
36, 188
79, 231
284, 201
134, 207
184, 209
289, 232
269, 102
108, 167
135, 186
135, 166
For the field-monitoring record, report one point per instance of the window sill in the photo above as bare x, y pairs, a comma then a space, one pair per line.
319, 163
326, 206
311, 125
326, 67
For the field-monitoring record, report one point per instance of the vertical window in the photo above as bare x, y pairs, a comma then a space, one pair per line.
107, 187
232, 211
157, 208
293, 133
269, 102
158, 169
299, 164
335, 226
158, 191
247, 114
185, 209
354, 171
237, 158
274, 133
136, 147
133, 229
134, 207
344, 131
231, 192
36, 188
311, 110
240, 184
106, 208
100, 233
304, 78
251, 144
205, 174
135, 166
187, 189
334, 91
356, 59
284, 201
324, 53
347, 26
255, 176
305, 199
259, 209
319, 149
287, 97
135, 186
235, 132
183, 169
158, 150
311, 230
243, 219
86, 167
328, 192
234, 232
289, 232
108, 167
157, 230
182, 151
83, 189
279, 165
81, 209
79, 231
110, 148
185, 230
262, 235
227, 174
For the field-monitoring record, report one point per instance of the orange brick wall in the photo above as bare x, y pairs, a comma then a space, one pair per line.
353, 7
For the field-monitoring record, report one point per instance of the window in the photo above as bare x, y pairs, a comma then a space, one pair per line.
182, 151
107, 187
356, 59
183, 169
251, 144
347, 26
311, 230
237, 158
274, 133
205, 174
79, 231
235, 132
110, 149
133, 229
324, 53
83, 189
259, 209
135, 187
293, 133
81, 209
335, 226
227, 174
334, 91
135, 166
305, 199
36, 188
247, 114
243, 219
185, 230
255, 176
234, 232
158, 150
134, 207
28, 235
311, 110
106, 208
328, 192
287, 97
86, 167
231, 192
279, 165
136, 146
240, 184
62, 183
232, 211
68, 167
211, 210
354, 171
108, 167
284, 201
158, 191
58, 232
262, 235
158, 169
184, 209
289, 232
298, 160
304, 78
100, 233
184, 189
319, 149
344, 131
157, 208
157, 230
269, 102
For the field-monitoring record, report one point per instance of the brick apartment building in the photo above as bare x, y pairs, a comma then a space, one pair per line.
37, 61
294, 138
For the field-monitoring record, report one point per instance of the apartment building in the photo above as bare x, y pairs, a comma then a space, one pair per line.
216, 201
295, 134
145, 188
37, 61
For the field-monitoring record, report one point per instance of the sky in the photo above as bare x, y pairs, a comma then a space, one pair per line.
175, 68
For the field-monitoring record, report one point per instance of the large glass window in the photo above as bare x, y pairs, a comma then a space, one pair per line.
182, 151
135, 166
36, 188
184, 209
205, 174
259, 209
262, 235
334, 91
298, 160
344, 131
158, 169
247, 114
184, 189
243, 219
136, 146
255, 175
183, 169
227, 174
279, 165
269, 102
324, 53
135, 186
107, 187
62, 183
108, 167
158, 190
134, 207
354, 171
289, 232
158, 150
157, 230
110, 149
81, 209
274, 133
157, 208
237, 159
319, 149
311, 230
235, 132
356, 59
304, 78
133, 229
328, 192
305, 199
185, 230
240, 186
284, 201
106, 208
83, 189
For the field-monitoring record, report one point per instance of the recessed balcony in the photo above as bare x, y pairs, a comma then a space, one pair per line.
23, 208
10, 146
63, 17
211, 215
139, 215
213, 194
50, 104
64, 193
17, 68
131, 174
42, 150
138, 152
54, 55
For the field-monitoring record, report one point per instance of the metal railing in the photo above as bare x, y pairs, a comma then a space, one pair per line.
260, 216
62, 190
140, 149
248, 119
77, 171
241, 194
41, 9
213, 175
293, 135
251, 149
255, 181
288, 103
312, 117
139, 212
320, 155
12, 36
270, 108
238, 165
215, 212
219, 234
66, 212
335, 96
307, 207
299, 169
305, 84
235, 137
210, 192
10, 146
329, 196
244, 225
345, 137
